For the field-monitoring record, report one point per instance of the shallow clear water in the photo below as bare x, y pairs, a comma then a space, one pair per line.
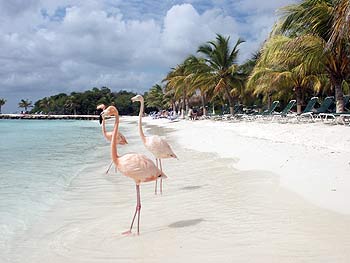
38, 161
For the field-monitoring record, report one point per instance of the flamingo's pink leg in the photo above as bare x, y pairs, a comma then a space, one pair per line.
137, 211
109, 167
139, 208
161, 180
155, 189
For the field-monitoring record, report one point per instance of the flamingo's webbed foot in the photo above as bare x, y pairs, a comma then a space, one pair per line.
126, 233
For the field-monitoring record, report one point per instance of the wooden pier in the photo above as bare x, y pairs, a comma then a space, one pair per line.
48, 117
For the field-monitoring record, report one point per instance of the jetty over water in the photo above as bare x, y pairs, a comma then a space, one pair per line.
48, 117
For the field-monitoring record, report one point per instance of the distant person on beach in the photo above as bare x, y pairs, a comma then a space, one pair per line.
164, 114
200, 112
194, 114
190, 114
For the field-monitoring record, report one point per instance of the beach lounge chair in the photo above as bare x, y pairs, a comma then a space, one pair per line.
237, 109
237, 112
245, 112
272, 108
269, 112
308, 109
264, 114
343, 117
310, 105
326, 104
285, 111
220, 117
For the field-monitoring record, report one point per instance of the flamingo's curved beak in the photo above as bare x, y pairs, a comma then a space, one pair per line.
99, 111
133, 99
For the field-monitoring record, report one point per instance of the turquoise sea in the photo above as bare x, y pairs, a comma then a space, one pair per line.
38, 161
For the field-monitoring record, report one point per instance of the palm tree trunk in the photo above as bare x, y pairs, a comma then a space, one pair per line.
183, 106
187, 106
299, 99
203, 97
269, 98
231, 101
339, 96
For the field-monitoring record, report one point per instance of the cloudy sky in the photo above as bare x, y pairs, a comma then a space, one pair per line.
53, 46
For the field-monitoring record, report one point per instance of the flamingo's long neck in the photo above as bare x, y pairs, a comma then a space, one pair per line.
142, 135
104, 128
114, 153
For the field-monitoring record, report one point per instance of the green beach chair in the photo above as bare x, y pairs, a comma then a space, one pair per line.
272, 108
285, 111
307, 112
310, 105
237, 109
326, 104
264, 114
335, 117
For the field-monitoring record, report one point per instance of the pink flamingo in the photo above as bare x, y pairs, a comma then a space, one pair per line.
155, 144
136, 166
108, 135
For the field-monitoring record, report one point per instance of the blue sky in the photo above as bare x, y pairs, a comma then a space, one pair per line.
53, 46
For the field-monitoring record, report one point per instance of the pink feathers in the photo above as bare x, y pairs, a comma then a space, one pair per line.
136, 166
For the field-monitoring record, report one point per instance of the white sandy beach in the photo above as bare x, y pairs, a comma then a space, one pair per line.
240, 192
312, 159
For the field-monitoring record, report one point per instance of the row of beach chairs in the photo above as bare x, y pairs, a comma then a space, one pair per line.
326, 112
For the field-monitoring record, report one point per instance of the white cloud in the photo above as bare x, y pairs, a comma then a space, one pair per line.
16, 7
185, 29
91, 43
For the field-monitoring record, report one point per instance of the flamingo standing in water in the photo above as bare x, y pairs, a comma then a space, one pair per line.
108, 135
155, 144
136, 166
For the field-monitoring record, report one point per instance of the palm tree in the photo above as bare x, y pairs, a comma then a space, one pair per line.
2, 103
169, 99
223, 64
25, 104
155, 97
274, 73
200, 80
72, 104
179, 80
341, 23
45, 104
318, 28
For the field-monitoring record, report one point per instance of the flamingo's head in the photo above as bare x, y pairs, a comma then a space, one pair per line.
99, 109
110, 111
173, 155
137, 98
